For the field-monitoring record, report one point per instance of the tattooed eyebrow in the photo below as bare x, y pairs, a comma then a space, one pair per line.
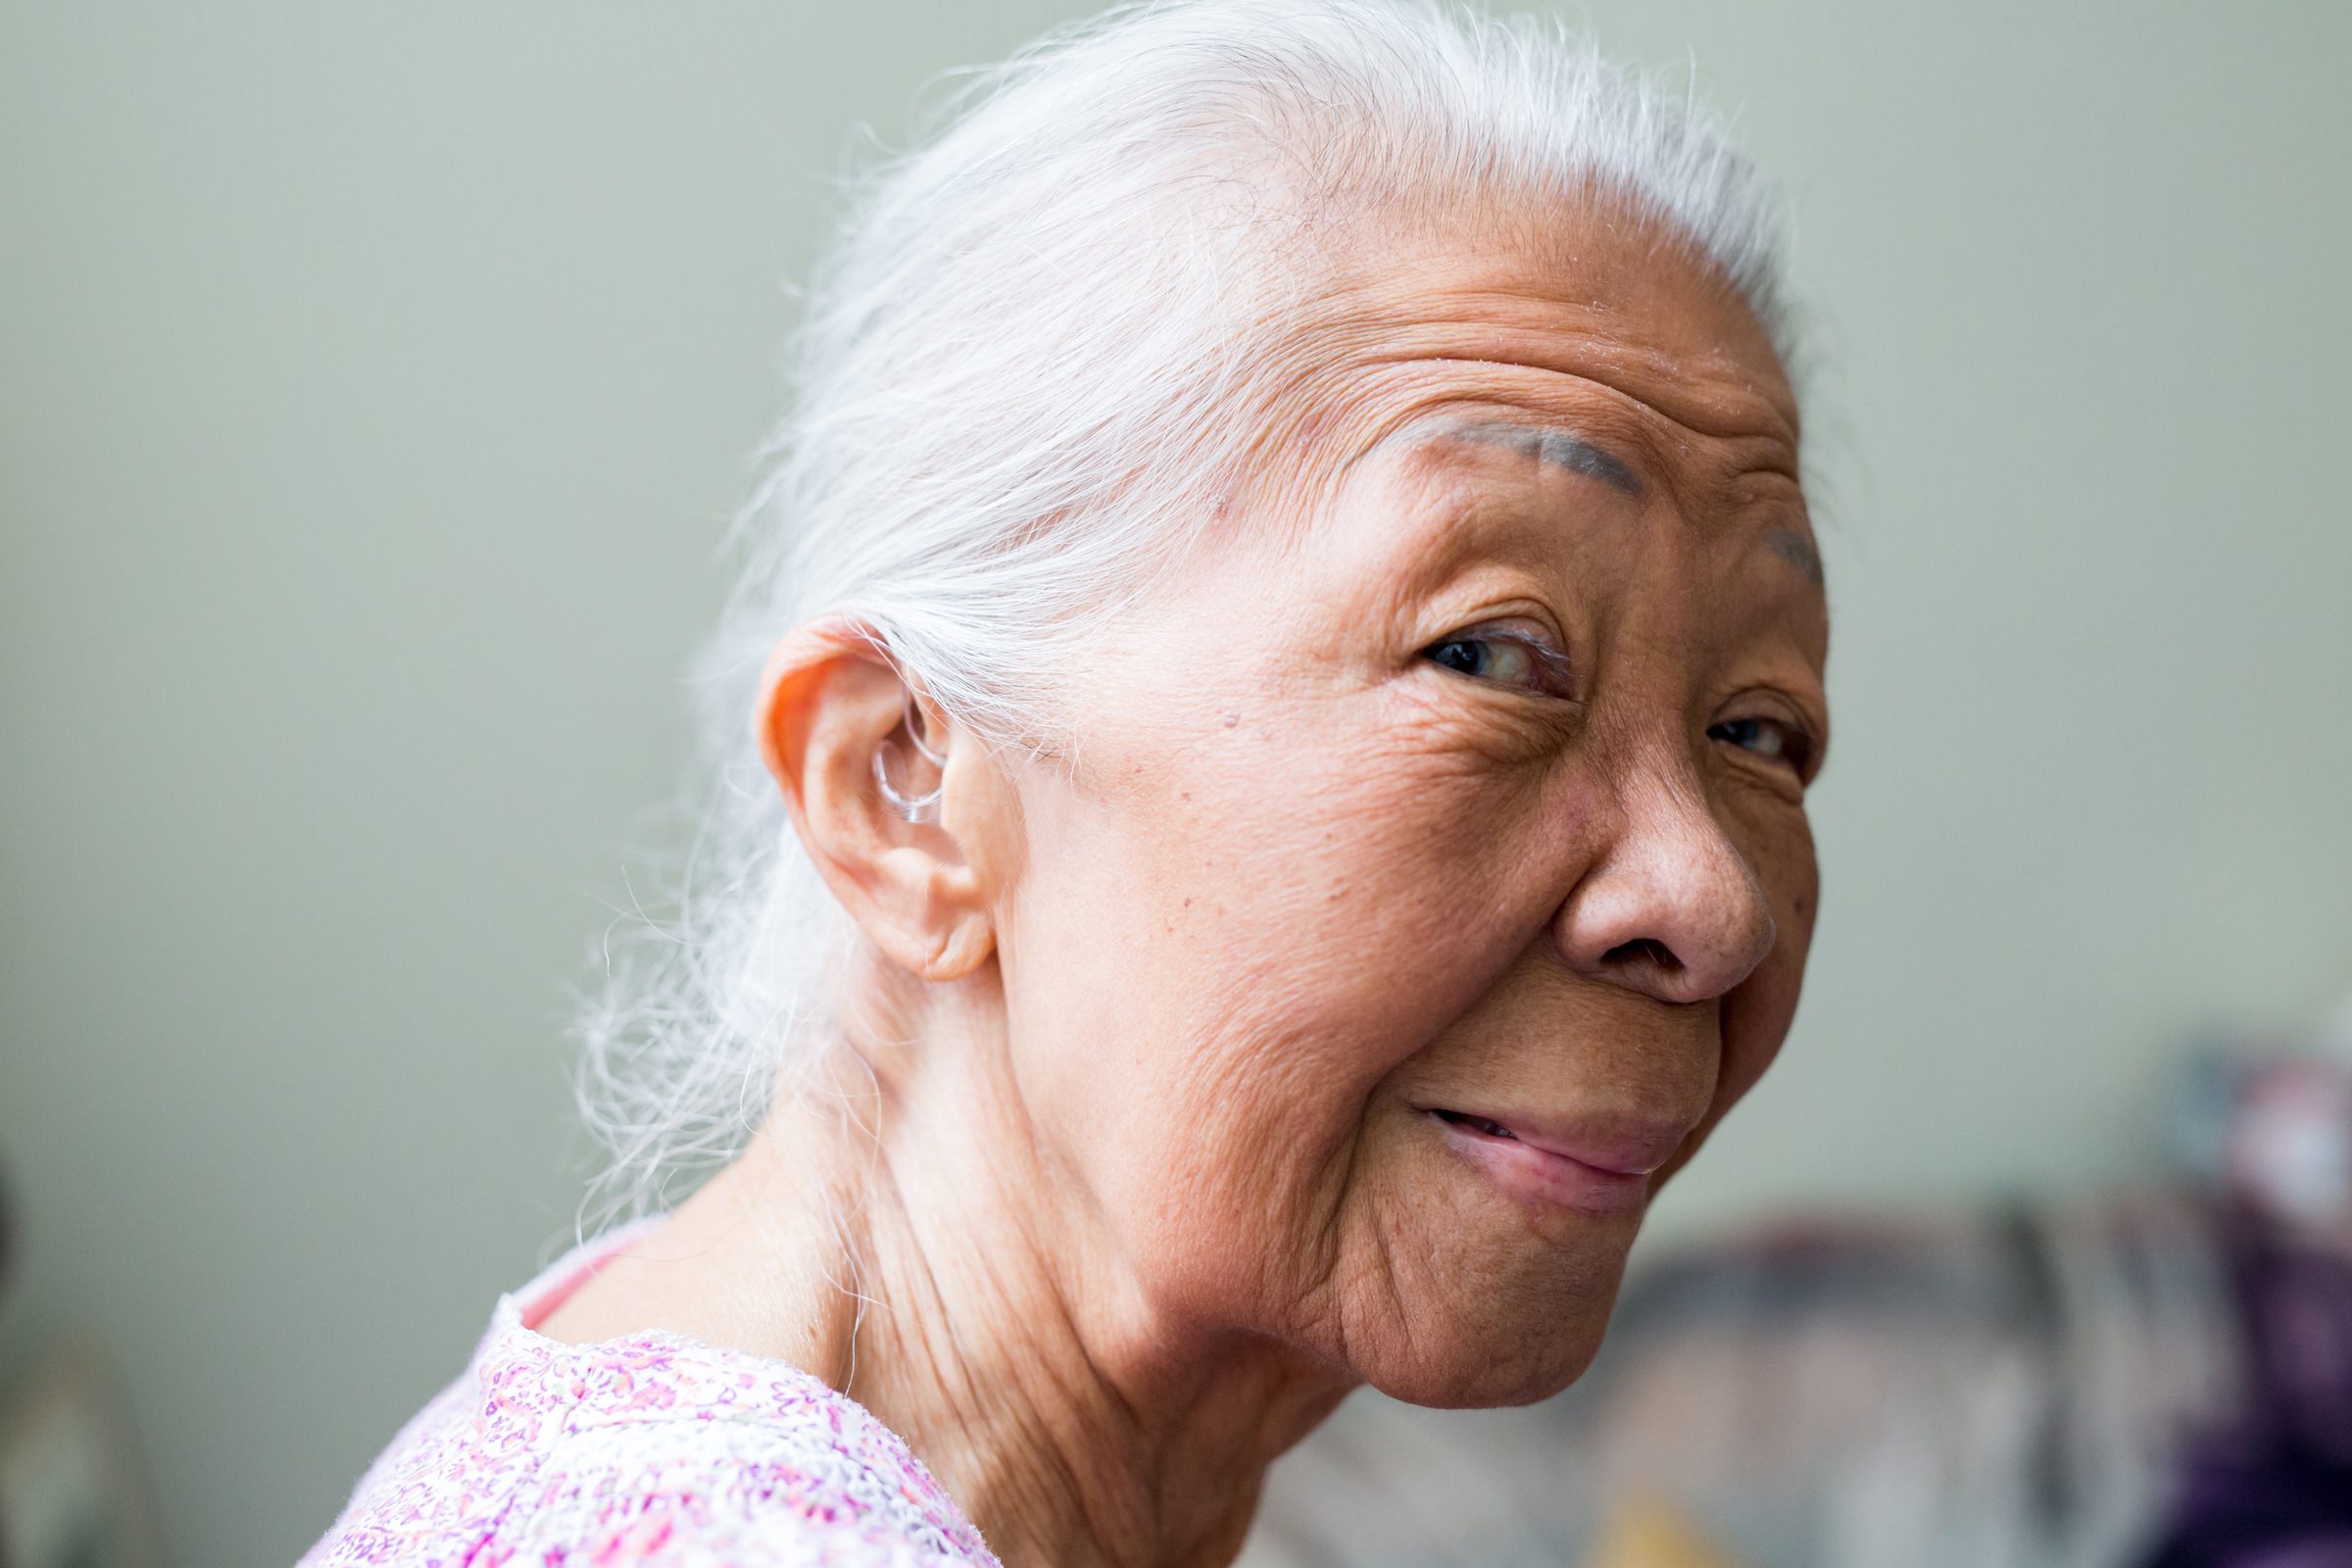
1793, 548
1562, 449
1573, 453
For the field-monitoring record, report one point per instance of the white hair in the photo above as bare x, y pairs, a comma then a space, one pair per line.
1029, 365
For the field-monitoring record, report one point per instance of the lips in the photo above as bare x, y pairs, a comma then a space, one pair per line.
1595, 1170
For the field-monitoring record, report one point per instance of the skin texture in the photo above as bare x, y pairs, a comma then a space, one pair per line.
1463, 771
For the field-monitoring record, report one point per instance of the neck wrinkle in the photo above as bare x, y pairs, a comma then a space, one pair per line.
1072, 1428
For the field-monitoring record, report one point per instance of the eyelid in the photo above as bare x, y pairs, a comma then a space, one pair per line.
1531, 630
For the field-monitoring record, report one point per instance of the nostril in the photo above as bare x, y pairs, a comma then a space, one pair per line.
1646, 949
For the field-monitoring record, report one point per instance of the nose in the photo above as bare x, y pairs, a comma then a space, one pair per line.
1669, 906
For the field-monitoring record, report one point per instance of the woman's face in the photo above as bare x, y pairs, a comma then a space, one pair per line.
1432, 872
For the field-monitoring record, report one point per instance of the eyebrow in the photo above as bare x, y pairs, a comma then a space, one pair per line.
1562, 449
1565, 449
1797, 549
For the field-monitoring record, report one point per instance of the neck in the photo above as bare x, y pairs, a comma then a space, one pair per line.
905, 1243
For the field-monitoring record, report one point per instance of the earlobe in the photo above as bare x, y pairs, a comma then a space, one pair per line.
867, 773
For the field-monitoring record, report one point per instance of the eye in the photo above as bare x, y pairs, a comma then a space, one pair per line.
1772, 738
1506, 657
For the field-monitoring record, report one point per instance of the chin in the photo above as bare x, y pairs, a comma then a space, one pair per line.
1477, 1288
1458, 1337
1490, 1365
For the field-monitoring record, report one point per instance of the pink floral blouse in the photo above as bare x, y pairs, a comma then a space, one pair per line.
651, 1449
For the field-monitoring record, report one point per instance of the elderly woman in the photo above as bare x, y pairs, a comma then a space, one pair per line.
1288, 658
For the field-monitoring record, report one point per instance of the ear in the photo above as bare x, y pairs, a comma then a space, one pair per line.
834, 703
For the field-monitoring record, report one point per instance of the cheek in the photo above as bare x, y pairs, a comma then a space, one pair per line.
1223, 949
1756, 1016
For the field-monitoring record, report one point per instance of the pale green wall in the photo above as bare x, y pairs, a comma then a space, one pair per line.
373, 377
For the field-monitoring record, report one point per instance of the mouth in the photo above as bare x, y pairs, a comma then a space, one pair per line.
1594, 1174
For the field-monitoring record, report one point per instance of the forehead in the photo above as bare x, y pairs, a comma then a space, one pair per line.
1587, 322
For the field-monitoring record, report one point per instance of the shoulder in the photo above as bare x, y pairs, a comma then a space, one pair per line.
651, 1449
705, 1498
671, 1438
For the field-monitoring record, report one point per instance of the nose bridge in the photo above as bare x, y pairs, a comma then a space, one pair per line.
1671, 905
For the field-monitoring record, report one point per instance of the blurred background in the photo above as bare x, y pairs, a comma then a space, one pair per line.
375, 381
